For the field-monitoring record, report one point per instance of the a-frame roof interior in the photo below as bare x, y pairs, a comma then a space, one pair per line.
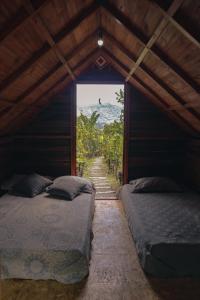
46, 44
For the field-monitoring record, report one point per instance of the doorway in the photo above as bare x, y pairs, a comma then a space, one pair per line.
100, 129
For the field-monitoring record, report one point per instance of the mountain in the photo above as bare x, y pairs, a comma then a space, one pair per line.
107, 111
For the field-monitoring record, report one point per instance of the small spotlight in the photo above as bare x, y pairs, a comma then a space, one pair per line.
100, 39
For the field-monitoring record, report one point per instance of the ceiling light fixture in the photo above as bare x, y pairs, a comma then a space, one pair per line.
100, 39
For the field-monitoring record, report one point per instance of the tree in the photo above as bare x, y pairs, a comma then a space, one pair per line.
113, 140
87, 139
120, 99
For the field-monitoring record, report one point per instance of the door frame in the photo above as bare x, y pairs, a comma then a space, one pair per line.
73, 129
126, 131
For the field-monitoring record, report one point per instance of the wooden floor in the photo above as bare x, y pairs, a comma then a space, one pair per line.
115, 272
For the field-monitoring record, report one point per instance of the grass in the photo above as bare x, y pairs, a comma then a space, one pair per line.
88, 167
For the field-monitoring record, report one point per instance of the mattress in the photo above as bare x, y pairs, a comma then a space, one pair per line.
45, 238
166, 231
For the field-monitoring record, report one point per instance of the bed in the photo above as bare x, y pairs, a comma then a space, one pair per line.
45, 238
166, 231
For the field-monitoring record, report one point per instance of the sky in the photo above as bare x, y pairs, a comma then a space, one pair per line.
88, 94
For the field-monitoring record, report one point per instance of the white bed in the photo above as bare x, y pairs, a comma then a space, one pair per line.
45, 238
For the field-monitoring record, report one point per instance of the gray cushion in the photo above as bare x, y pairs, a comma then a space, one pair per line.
7, 184
30, 185
68, 187
154, 185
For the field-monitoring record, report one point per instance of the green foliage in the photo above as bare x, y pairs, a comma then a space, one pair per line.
120, 99
120, 96
87, 139
113, 146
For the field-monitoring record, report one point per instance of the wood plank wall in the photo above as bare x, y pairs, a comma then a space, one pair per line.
156, 145
44, 146
6, 157
192, 163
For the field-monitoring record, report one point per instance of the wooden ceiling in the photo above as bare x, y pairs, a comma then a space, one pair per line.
46, 44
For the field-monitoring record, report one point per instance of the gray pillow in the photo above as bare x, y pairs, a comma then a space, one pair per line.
68, 187
86, 185
154, 185
30, 185
7, 184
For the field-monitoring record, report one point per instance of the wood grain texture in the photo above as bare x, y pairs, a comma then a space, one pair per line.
192, 163
156, 145
6, 157
45, 145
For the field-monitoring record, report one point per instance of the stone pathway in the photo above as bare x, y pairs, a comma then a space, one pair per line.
98, 176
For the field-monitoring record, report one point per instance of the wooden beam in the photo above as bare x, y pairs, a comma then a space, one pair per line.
180, 28
56, 68
156, 34
148, 72
155, 51
48, 94
149, 93
126, 71
19, 20
70, 27
6, 102
162, 102
43, 31
21, 108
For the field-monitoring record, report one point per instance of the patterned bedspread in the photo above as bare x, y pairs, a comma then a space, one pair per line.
45, 238
166, 231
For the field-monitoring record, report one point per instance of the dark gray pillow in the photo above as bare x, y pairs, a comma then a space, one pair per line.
68, 187
30, 186
86, 185
7, 184
154, 185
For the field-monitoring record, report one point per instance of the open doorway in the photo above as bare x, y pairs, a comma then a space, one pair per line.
100, 130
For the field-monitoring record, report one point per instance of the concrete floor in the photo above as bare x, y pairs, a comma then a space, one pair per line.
115, 272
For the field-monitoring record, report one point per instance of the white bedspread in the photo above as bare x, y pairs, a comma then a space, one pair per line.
45, 238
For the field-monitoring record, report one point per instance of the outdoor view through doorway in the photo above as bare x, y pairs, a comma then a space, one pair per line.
99, 133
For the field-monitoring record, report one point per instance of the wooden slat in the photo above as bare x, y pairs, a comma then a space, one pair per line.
9, 119
56, 68
6, 102
153, 96
41, 136
180, 28
162, 84
72, 25
157, 33
122, 19
19, 20
43, 31
73, 130
47, 97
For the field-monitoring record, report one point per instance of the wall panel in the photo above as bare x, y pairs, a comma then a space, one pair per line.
192, 163
6, 157
44, 146
156, 145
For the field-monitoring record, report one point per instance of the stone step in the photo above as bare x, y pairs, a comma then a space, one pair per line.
104, 190
103, 186
106, 197
98, 175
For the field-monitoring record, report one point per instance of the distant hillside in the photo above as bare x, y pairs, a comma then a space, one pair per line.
108, 112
